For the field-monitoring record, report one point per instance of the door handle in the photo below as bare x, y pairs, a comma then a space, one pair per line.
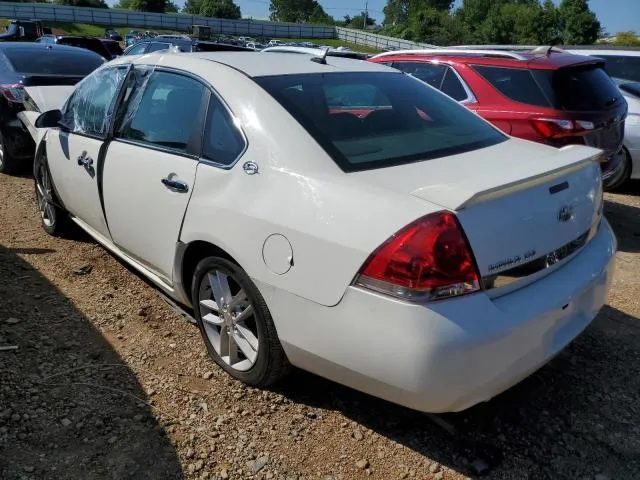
175, 185
84, 160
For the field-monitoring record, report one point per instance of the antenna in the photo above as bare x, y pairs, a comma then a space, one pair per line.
322, 59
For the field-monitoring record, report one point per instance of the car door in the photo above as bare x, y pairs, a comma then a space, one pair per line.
74, 151
150, 166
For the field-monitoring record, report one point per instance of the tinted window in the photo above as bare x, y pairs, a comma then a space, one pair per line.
165, 113
42, 61
515, 83
89, 110
618, 66
90, 44
137, 49
427, 72
354, 95
223, 142
157, 46
404, 121
584, 88
452, 86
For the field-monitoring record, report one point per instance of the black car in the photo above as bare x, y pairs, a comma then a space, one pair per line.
184, 44
88, 43
114, 47
24, 65
111, 34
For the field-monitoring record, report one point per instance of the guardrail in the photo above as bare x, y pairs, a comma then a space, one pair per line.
168, 21
380, 42
182, 22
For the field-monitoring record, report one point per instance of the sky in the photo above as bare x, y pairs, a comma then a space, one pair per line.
614, 15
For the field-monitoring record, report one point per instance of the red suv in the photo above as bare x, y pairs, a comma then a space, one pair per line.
544, 95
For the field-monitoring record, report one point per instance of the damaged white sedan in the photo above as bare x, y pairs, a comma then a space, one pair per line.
335, 215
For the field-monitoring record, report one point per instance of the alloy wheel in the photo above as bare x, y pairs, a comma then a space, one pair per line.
228, 318
43, 194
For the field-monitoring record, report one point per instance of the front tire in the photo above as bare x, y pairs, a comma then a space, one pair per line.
235, 323
53, 217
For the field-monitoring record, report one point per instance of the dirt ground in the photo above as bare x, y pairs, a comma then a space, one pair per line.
108, 382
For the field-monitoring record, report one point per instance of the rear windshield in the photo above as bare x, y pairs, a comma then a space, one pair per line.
368, 120
584, 88
53, 61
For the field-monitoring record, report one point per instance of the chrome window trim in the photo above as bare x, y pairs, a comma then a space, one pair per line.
471, 98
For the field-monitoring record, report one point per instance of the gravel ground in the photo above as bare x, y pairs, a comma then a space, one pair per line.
109, 382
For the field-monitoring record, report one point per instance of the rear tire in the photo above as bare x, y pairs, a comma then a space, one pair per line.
626, 168
53, 217
235, 323
8, 164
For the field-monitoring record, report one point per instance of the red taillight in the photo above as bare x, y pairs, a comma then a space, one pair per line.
558, 127
13, 93
428, 259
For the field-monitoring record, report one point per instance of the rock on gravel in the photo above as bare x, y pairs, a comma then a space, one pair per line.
362, 464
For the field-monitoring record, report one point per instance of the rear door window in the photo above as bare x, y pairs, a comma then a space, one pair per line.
138, 48
427, 72
517, 84
452, 86
582, 88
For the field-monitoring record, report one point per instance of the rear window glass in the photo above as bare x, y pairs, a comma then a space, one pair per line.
53, 62
584, 88
368, 120
517, 84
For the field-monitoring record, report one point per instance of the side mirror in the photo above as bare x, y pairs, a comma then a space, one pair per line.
49, 119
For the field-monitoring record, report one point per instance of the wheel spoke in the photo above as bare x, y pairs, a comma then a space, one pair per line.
219, 283
210, 305
233, 348
248, 336
213, 319
238, 300
243, 315
245, 348
224, 342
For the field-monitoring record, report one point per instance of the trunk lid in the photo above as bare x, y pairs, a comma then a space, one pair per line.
517, 201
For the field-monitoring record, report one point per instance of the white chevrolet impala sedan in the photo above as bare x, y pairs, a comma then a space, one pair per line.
334, 215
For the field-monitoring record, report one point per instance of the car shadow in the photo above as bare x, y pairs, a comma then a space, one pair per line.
574, 418
625, 221
69, 405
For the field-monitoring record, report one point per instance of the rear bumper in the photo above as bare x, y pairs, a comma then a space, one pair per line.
449, 355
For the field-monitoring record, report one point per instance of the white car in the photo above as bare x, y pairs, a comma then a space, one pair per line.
335, 215
624, 67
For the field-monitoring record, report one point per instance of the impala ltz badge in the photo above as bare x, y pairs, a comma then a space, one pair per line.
565, 214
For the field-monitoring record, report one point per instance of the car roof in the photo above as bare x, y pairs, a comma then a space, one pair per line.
258, 64
552, 59
29, 47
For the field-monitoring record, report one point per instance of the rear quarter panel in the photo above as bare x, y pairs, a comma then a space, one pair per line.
332, 221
